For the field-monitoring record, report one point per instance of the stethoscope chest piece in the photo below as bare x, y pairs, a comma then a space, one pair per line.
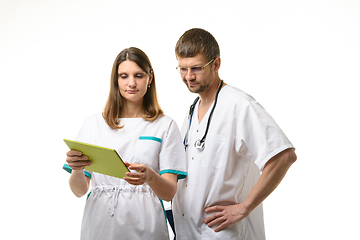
199, 144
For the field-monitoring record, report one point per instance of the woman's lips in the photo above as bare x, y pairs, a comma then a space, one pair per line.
131, 91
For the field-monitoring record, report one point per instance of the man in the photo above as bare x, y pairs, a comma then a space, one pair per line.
229, 139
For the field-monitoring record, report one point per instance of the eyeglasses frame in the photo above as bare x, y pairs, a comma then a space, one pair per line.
190, 68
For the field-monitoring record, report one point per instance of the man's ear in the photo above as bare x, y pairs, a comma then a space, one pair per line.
217, 63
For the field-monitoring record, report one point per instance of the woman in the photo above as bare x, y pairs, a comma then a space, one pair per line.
150, 143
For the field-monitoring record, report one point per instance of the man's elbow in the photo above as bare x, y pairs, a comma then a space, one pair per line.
290, 156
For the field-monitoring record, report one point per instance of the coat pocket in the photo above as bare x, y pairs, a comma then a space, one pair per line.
147, 151
214, 151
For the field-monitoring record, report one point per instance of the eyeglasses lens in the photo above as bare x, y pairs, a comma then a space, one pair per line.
193, 70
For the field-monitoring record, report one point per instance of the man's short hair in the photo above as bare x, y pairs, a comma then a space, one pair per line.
196, 41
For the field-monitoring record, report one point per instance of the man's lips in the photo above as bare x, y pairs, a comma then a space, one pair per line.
191, 84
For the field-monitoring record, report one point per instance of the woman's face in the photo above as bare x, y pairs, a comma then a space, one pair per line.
133, 81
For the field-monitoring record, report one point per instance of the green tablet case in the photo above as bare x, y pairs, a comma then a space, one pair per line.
104, 160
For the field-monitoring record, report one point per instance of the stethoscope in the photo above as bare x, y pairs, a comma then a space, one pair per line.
200, 144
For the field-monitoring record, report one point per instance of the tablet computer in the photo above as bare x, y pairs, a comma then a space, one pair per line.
104, 160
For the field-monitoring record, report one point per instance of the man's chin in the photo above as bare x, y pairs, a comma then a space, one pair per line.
191, 88
196, 88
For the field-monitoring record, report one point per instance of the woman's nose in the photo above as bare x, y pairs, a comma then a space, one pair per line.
132, 82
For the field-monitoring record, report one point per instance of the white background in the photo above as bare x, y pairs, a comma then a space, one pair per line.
299, 59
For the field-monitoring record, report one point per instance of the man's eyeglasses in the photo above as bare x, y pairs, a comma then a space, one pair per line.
195, 70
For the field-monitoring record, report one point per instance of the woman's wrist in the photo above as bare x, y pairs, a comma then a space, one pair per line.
77, 170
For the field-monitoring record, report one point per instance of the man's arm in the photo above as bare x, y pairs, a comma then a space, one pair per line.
273, 173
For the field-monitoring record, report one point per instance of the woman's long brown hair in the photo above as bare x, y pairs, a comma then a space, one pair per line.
115, 102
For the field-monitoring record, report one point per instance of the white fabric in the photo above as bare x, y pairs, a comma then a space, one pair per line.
242, 137
116, 209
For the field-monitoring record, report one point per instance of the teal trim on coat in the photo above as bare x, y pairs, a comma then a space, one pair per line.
69, 170
180, 174
150, 138
162, 205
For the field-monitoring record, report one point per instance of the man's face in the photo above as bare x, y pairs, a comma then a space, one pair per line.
197, 82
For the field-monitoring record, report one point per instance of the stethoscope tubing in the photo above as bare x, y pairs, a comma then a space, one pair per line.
200, 144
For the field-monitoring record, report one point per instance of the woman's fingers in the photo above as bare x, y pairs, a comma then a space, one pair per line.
76, 160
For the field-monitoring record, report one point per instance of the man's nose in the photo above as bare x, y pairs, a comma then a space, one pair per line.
189, 75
